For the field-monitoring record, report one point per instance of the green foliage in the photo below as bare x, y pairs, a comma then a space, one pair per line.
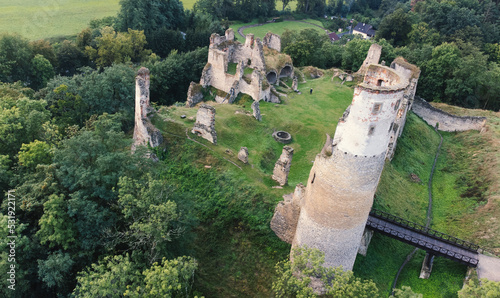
35, 153
150, 214
56, 227
44, 48
355, 53
15, 57
111, 277
295, 278
171, 77
406, 292
20, 122
42, 72
116, 47
141, 15
70, 58
483, 288
56, 269
94, 92
169, 279
304, 47
395, 27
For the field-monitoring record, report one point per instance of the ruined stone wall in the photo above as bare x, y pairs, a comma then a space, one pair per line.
145, 133
282, 166
372, 57
272, 41
447, 122
205, 123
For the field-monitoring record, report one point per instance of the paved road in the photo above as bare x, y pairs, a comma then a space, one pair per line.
489, 267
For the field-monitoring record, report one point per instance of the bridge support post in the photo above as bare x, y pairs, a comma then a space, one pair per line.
425, 273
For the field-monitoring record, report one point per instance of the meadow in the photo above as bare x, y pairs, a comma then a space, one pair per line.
43, 19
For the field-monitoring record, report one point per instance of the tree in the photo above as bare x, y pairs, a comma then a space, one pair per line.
111, 277
484, 288
15, 58
171, 278
44, 48
35, 153
150, 16
316, 7
421, 33
395, 27
55, 271
355, 53
70, 58
405, 292
151, 217
56, 227
295, 278
68, 108
42, 72
113, 47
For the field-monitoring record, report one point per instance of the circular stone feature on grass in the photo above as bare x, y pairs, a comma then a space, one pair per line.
282, 136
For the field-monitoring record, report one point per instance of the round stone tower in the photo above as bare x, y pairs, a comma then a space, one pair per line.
345, 175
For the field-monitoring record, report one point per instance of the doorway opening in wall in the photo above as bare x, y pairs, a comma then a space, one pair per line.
380, 83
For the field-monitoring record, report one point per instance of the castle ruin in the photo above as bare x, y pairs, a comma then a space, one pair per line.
250, 68
331, 213
145, 133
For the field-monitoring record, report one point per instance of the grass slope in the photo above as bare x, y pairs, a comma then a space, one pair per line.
43, 19
277, 28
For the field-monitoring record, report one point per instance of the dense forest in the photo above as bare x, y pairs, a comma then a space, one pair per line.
92, 219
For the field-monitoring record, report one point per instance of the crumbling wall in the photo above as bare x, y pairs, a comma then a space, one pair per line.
282, 166
145, 133
194, 95
447, 122
286, 214
205, 123
272, 41
256, 110
373, 57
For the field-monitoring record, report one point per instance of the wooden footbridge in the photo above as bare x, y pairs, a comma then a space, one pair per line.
432, 241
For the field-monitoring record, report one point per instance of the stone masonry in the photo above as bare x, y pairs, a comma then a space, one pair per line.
345, 175
145, 133
205, 123
256, 110
372, 57
282, 166
194, 95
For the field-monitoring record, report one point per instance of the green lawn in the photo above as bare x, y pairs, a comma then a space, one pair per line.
35, 19
277, 28
42, 19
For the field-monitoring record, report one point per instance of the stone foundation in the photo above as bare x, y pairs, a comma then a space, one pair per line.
205, 123
282, 166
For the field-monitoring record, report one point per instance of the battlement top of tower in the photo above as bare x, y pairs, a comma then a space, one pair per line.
383, 78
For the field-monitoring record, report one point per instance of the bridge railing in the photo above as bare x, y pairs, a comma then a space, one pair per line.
420, 228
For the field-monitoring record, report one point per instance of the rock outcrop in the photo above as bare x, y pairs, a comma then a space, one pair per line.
282, 166
145, 133
205, 123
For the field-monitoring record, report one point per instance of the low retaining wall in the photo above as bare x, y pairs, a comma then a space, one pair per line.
447, 122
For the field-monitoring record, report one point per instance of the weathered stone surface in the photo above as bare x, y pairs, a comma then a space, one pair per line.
282, 166
205, 123
194, 95
272, 41
224, 50
286, 214
295, 84
145, 133
256, 110
243, 154
445, 121
365, 242
373, 57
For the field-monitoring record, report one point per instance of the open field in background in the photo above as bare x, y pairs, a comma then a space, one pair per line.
277, 28
43, 19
